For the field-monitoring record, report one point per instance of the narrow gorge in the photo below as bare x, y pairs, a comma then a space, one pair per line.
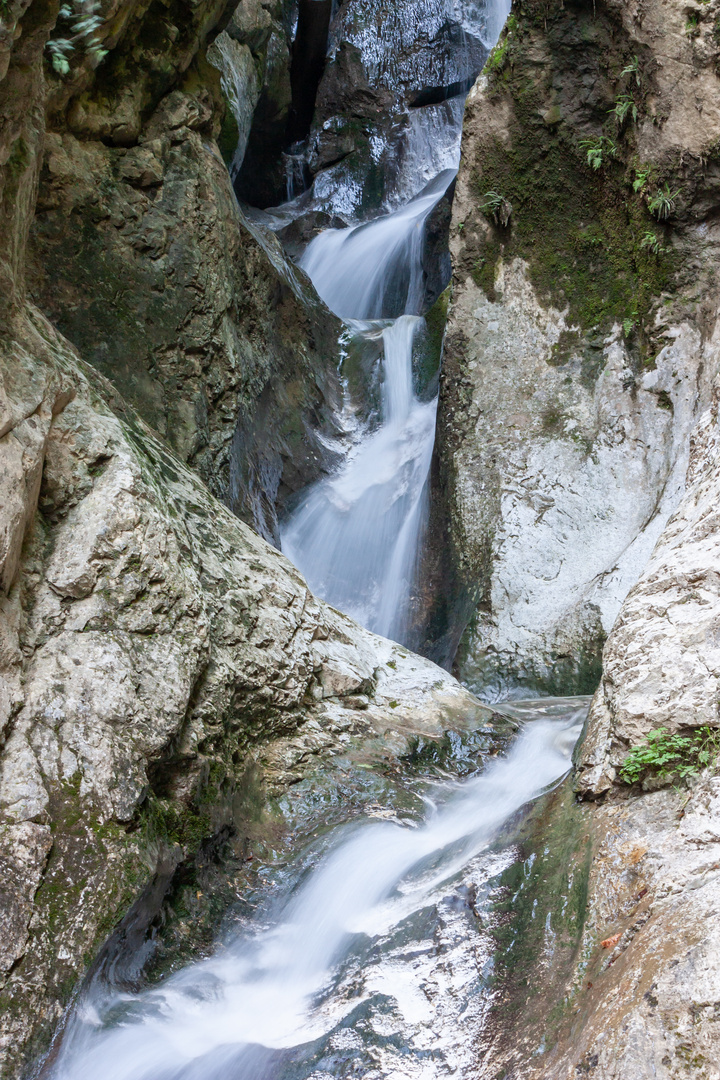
359, 601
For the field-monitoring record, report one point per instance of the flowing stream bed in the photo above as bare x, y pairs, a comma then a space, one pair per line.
375, 960
356, 535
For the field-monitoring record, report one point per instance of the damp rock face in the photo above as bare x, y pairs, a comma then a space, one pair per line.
142, 258
583, 352
150, 641
580, 351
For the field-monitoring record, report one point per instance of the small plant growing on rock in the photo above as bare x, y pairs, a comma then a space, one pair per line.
497, 207
651, 242
662, 203
624, 106
83, 21
633, 68
668, 756
642, 177
597, 149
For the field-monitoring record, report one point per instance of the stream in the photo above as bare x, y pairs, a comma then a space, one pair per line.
372, 963
355, 535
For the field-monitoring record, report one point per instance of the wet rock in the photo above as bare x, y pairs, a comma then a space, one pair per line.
192, 313
567, 369
154, 645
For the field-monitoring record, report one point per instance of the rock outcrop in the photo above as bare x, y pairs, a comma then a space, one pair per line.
579, 443
140, 255
580, 350
155, 652
150, 640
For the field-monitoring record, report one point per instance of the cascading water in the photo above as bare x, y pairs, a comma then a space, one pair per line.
355, 535
339, 965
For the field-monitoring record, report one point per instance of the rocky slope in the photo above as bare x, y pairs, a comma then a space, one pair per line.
581, 350
163, 670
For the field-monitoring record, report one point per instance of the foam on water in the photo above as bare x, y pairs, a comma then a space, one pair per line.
355, 535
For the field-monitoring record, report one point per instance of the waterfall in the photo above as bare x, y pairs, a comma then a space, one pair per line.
335, 964
355, 535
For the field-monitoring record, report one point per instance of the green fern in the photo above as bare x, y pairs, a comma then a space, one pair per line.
624, 106
662, 203
670, 756
633, 68
598, 149
81, 21
497, 207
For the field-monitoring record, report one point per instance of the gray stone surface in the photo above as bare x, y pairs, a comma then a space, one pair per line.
149, 639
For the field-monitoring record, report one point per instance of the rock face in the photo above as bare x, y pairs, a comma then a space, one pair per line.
580, 350
141, 257
154, 651
661, 665
579, 446
149, 640
635, 996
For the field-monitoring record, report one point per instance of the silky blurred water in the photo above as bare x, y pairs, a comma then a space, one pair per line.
342, 965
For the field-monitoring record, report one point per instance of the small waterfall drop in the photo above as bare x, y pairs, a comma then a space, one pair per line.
335, 964
355, 535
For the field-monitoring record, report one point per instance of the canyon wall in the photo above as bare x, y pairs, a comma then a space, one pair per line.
580, 351
578, 454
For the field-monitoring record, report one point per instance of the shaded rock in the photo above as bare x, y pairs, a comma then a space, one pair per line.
143, 260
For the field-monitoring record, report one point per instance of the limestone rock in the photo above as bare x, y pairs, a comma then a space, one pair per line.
661, 664
151, 640
572, 380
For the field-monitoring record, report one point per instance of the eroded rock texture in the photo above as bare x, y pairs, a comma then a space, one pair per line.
579, 443
581, 349
140, 255
150, 639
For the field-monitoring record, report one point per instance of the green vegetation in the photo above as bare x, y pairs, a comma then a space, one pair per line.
662, 203
668, 756
497, 208
596, 149
496, 60
580, 215
624, 106
652, 243
642, 177
81, 20
633, 68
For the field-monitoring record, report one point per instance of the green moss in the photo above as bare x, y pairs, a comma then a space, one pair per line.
427, 353
580, 229
496, 61
540, 915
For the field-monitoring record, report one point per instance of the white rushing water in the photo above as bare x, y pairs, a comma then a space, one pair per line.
338, 965
355, 535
